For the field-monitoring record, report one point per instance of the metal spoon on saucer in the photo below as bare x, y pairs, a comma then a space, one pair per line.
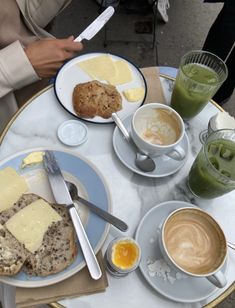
232, 246
142, 160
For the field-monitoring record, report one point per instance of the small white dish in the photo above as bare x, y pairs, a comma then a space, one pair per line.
71, 74
72, 132
164, 165
158, 274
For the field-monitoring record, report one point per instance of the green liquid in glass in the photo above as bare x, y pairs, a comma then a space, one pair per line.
210, 180
194, 86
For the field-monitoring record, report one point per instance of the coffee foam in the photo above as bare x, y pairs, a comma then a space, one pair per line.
194, 241
159, 126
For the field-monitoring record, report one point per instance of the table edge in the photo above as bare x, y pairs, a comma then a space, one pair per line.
213, 303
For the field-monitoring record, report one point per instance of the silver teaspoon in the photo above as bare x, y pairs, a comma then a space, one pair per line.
142, 161
118, 223
230, 245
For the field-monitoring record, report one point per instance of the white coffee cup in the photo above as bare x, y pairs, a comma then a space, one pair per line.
194, 244
158, 129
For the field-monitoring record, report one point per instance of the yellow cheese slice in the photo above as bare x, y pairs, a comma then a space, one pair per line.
30, 224
101, 67
12, 187
134, 94
123, 73
32, 159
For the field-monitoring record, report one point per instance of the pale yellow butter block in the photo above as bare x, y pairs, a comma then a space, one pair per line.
33, 159
123, 73
134, 94
12, 187
101, 67
30, 224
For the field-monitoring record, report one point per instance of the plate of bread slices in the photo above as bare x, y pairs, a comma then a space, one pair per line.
94, 85
38, 244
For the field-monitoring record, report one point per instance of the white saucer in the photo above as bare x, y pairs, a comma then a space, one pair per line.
164, 165
177, 287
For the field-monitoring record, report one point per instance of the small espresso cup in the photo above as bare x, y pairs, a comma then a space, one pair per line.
158, 129
193, 243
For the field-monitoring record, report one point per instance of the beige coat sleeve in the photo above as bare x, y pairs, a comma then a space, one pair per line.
38, 13
15, 69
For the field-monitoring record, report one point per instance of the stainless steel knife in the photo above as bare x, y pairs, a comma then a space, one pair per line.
96, 25
62, 196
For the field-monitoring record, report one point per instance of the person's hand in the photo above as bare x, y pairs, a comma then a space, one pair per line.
48, 55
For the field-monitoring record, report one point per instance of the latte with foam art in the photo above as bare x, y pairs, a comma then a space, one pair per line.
194, 241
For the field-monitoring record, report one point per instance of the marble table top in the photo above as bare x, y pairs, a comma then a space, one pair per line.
132, 194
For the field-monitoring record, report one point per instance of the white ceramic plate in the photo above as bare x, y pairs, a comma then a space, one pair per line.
86, 176
182, 289
71, 74
164, 165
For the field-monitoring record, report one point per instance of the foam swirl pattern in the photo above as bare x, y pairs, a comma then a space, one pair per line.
194, 243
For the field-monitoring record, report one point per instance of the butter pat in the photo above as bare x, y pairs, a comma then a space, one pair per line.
32, 159
12, 187
134, 94
30, 224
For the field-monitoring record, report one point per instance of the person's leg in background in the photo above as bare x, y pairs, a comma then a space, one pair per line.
219, 41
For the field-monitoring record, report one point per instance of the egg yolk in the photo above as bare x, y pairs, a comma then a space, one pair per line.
125, 254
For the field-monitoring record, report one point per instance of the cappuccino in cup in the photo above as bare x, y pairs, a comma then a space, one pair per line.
157, 129
161, 127
193, 243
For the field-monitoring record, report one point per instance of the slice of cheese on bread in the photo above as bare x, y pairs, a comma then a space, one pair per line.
30, 224
12, 186
58, 247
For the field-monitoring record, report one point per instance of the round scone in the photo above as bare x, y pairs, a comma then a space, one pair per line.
95, 98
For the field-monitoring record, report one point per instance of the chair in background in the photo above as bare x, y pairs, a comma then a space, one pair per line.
133, 6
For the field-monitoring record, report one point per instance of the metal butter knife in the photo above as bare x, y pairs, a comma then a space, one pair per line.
96, 25
62, 196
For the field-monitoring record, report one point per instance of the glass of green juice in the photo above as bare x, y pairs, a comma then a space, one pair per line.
200, 75
213, 171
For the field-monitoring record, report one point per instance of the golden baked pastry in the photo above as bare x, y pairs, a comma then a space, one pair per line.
95, 98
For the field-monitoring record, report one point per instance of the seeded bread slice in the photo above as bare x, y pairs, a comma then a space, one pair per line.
12, 253
58, 250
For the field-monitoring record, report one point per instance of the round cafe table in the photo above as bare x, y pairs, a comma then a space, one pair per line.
133, 195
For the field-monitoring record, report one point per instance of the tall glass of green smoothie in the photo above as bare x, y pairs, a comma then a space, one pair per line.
199, 76
213, 171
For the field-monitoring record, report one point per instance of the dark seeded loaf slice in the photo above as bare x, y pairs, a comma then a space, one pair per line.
57, 251
12, 253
